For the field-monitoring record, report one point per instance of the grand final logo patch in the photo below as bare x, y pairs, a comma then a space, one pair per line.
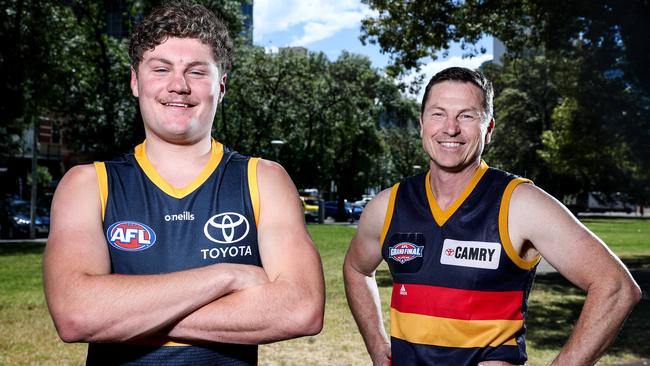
226, 228
405, 251
130, 236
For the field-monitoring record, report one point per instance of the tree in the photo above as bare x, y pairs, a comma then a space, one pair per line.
59, 60
30, 67
593, 54
403, 154
327, 113
526, 97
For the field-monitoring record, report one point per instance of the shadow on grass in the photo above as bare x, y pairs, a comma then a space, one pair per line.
383, 278
637, 262
551, 319
7, 249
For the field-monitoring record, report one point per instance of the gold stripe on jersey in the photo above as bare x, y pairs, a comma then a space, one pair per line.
389, 213
102, 181
503, 227
253, 189
442, 216
176, 344
156, 340
216, 154
447, 332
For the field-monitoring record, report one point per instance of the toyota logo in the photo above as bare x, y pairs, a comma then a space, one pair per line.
226, 228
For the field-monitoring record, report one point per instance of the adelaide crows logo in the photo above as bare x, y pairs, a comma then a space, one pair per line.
130, 236
405, 251
226, 228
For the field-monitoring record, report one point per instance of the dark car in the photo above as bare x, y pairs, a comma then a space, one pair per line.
14, 219
351, 212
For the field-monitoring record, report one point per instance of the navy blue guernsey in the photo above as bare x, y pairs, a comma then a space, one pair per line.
459, 288
154, 228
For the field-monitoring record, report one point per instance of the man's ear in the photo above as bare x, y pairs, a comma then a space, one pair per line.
222, 87
490, 128
134, 82
421, 126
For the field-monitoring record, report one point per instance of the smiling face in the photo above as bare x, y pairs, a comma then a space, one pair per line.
179, 86
454, 126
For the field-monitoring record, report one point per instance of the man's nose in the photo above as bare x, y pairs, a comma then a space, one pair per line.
178, 84
452, 127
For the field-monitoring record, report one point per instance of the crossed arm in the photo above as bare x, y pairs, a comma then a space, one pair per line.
88, 303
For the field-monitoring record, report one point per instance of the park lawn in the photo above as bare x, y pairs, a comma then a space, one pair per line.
626, 237
28, 335
30, 339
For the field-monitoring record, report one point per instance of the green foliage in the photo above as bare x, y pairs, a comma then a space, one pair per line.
403, 154
58, 60
29, 65
573, 94
43, 176
326, 112
523, 105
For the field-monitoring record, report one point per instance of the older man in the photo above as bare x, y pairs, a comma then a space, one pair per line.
462, 242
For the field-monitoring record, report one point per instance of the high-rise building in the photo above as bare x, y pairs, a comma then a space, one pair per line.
247, 12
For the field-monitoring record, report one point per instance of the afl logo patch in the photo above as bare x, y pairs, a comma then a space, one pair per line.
404, 252
130, 236
226, 228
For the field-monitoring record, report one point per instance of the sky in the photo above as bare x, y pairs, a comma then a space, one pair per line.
331, 26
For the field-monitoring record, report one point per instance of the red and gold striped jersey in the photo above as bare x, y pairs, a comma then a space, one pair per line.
459, 288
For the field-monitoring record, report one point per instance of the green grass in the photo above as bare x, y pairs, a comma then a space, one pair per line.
627, 238
29, 337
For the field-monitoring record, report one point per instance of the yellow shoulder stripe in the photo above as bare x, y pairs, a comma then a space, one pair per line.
102, 180
503, 227
389, 213
253, 188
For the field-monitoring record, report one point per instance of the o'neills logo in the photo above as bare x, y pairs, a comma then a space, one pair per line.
183, 216
475, 254
404, 252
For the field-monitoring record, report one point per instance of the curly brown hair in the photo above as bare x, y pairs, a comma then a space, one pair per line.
182, 19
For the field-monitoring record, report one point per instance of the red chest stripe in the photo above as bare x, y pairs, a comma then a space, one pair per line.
457, 304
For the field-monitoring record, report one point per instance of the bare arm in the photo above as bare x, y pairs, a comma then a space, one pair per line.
87, 303
292, 303
581, 257
361, 261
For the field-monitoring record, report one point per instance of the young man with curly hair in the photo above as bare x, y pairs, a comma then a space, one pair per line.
182, 251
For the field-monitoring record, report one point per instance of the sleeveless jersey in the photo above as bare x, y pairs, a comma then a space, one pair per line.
153, 228
459, 288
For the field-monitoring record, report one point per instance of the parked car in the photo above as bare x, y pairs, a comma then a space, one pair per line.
15, 219
351, 212
364, 200
599, 202
310, 206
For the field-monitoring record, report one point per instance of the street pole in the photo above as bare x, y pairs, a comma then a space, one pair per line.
277, 144
32, 207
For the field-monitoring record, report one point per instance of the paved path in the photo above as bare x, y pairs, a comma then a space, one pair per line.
545, 267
